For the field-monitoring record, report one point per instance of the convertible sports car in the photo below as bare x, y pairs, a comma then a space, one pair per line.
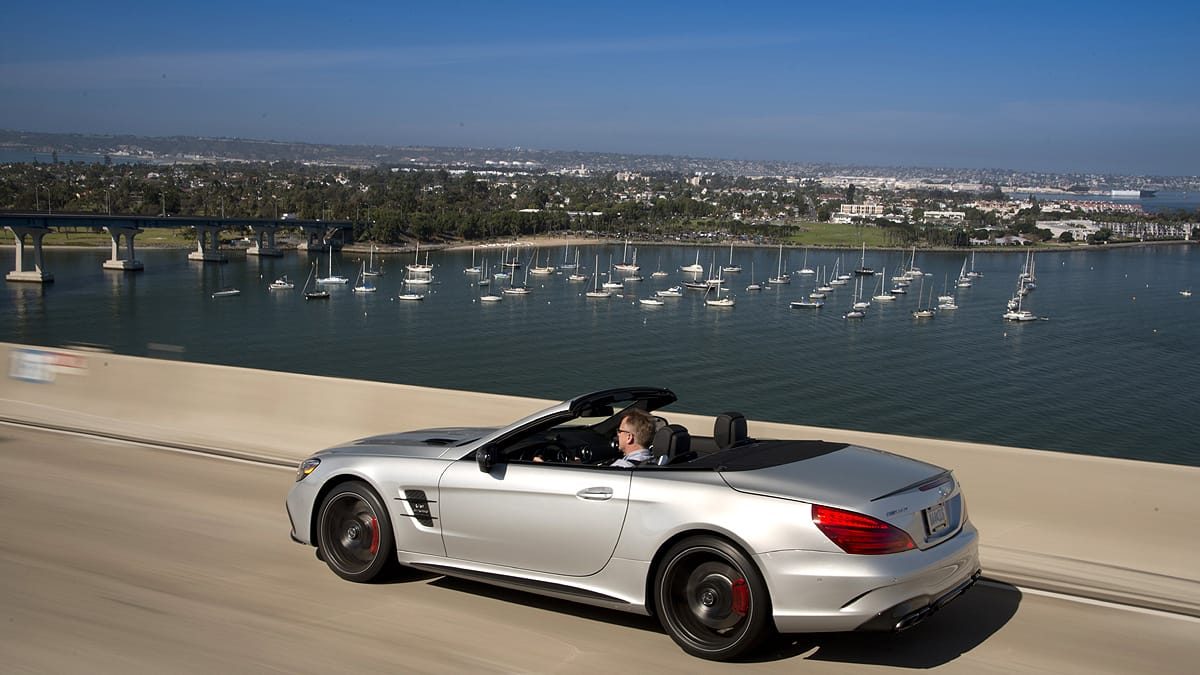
725, 538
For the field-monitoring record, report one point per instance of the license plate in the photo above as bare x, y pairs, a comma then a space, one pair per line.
935, 518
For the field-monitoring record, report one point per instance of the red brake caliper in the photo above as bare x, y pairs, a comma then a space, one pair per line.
374, 535
741, 597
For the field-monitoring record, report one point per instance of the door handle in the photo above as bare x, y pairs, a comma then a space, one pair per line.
596, 494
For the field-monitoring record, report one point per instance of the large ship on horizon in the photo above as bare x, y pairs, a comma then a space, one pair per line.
1133, 194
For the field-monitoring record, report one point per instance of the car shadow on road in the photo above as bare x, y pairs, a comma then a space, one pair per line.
958, 628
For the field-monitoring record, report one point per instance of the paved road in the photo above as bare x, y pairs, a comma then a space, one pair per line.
119, 558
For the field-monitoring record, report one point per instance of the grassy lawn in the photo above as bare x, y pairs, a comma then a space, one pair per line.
836, 234
159, 236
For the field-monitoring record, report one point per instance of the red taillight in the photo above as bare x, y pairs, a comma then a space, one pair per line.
859, 534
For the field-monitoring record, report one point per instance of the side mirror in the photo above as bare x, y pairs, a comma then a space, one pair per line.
487, 457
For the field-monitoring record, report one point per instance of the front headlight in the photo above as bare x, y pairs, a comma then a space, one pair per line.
306, 467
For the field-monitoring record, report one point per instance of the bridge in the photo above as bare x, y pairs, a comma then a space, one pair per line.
123, 228
115, 551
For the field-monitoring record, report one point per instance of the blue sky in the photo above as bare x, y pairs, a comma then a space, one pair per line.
1047, 86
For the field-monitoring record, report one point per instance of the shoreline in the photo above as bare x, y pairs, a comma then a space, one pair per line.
555, 242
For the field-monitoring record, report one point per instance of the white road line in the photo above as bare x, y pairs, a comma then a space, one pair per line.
1094, 602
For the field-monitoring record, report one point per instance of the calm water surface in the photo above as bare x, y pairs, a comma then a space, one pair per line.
1111, 372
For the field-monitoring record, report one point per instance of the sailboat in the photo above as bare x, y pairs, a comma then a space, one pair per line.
577, 274
963, 280
539, 270
484, 278
611, 284
913, 271
731, 267
417, 266
863, 270
361, 285
754, 285
804, 268
946, 299
473, 269
567, 264
882, 295
314, 294
780, 277
718, 301
225, 291
523, 289
694, 268
972, 273
626, 265
332, 278
659, 273
371, 270
596, 292
924, 311
859, 309
485, 281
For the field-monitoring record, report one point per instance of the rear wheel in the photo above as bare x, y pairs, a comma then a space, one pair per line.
711, 599
354, 533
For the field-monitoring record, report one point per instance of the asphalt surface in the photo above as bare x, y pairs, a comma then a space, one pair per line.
122, 558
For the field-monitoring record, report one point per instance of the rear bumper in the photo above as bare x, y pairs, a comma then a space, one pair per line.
816, 592
908, 614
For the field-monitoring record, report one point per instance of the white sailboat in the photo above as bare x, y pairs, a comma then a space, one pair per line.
753, 285
371, 270
731, 267
859, 309
924, 311
882, 295
225, 291
627, 265
780, 277
473, 269
719, 301
972, 273
523, 289
361, 285
804, 268
417, 266
672, 292
596, 292
540, 270
332, 278
567, 264
694, 268
485, 281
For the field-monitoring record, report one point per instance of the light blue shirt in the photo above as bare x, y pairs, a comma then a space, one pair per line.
634, 458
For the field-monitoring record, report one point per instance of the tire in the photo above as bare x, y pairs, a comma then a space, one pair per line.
354, 533
711, 599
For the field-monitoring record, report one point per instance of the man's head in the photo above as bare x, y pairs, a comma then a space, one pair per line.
635, 431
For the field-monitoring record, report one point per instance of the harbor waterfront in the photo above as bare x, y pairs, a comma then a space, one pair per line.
1110, 371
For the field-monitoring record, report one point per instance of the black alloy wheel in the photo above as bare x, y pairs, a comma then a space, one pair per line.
354, 533
711, 599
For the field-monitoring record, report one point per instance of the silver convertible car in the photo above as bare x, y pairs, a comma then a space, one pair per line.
723, 537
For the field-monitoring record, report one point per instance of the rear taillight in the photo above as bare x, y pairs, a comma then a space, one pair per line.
859, 534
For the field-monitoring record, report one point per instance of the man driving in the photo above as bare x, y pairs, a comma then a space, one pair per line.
634, 434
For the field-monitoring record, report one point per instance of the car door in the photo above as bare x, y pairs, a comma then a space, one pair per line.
555, 518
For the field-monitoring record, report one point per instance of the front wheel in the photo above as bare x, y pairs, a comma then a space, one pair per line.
711, 599
354, 533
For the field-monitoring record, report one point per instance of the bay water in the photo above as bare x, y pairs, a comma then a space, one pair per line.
1110, 371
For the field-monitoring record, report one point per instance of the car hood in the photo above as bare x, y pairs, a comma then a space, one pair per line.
845, 475
421, 443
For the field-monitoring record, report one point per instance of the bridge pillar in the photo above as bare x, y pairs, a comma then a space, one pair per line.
258, 248
129, 262
208, 245
37, 275
316, 238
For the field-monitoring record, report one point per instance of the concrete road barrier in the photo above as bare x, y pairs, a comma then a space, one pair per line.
1113, 529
